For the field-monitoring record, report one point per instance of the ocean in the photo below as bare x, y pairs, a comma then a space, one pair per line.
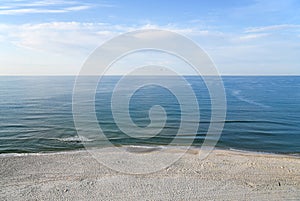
263, 114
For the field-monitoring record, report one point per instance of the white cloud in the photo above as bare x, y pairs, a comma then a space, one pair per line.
75, 37
43, 6
68, 38
190, 31
249, 37
59, 45
272, 28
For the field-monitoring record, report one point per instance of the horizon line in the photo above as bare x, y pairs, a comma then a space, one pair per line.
75, 75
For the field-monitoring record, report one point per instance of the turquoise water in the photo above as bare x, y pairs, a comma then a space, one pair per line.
263, 114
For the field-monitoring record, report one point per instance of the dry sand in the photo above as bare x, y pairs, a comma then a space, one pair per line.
223, 175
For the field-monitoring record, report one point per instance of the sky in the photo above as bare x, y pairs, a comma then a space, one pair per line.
55, 37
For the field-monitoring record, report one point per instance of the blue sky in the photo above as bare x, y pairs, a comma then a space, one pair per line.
242, 37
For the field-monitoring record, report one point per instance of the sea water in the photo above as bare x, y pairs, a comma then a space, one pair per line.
262, 114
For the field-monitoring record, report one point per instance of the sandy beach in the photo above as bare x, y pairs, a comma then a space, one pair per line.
223, 175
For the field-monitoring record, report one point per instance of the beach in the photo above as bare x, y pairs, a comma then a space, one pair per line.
223, 175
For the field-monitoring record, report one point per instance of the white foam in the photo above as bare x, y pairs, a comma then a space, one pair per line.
75, 139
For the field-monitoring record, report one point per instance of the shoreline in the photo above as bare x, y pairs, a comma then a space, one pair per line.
294, 155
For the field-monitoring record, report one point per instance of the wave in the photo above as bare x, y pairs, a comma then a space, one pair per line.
236, 93
145, 149
293, 154
75, 139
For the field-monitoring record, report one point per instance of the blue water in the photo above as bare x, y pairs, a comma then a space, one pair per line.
263, 114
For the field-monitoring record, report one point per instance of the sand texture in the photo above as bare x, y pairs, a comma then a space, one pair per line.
223, 175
